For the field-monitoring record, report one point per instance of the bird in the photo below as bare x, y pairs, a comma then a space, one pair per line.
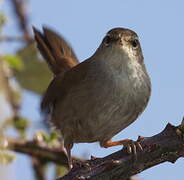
93, 100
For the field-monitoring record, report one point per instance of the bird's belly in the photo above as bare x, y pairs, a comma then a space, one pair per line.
108, 123
98, 117
101, 122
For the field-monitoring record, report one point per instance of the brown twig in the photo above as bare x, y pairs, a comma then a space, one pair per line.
19, 7
5, 80
35, 150
13, 39
165, 146
39, 169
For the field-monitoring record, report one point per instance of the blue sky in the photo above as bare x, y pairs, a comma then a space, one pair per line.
160, 27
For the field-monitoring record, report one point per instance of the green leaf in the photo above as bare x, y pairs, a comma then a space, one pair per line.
21, 124
6, 157
54, 135
61, 171
52, 139
14, 61
35, 76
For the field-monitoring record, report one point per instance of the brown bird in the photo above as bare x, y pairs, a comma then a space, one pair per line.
94, 100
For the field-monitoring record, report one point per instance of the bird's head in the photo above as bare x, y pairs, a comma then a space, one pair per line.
124, 41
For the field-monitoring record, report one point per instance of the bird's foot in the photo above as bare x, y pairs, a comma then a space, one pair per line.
131, 146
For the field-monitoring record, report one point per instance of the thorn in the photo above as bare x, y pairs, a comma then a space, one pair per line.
169, 126
93, 158
140, 138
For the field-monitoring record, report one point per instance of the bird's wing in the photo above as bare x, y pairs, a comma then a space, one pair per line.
62, 84
56, 51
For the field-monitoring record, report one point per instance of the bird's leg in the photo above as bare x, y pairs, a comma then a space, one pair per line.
110, 143
68, 148
129, 144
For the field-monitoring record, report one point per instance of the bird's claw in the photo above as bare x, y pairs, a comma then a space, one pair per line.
132, 147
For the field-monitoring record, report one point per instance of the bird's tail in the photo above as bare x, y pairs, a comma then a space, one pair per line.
55, 50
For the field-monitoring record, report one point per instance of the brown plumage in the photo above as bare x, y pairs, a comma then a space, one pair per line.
56, 51
59, 56
94, 100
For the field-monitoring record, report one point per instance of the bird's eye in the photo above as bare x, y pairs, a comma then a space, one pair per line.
135, 43
107, 40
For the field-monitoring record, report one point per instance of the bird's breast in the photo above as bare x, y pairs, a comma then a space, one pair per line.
100, 109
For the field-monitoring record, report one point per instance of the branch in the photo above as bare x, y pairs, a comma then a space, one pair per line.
165, 146
19, 7
39, 169
14, 39
33, 149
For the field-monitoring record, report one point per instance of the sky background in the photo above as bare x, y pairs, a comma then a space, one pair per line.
160, 27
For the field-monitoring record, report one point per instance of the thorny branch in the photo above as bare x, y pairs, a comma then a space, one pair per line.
165, 146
